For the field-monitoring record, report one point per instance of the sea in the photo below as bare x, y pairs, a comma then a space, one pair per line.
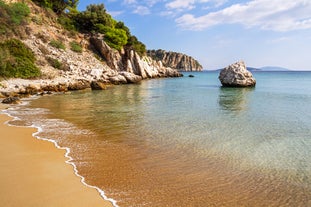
183, 142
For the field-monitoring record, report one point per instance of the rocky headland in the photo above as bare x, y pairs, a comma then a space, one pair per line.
178, 61
95, 66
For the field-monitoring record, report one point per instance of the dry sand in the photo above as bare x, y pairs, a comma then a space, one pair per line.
34, 173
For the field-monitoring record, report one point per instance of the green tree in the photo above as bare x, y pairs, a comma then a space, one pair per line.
116, 38
94, 15
58, 6
136, 45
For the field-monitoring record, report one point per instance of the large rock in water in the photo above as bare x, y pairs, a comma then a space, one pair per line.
236, 75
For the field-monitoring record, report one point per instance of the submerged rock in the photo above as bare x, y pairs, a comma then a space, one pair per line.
236, 75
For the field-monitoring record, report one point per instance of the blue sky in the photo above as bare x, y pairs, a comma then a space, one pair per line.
220, 32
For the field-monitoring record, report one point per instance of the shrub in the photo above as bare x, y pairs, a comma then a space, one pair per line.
18, 12
67, 22
17, 60
57, 44
54, 63
37, 19
76, 47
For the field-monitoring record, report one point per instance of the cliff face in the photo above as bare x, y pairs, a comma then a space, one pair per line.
128, 61
175, 60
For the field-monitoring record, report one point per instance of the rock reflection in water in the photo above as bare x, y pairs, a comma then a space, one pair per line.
234, 99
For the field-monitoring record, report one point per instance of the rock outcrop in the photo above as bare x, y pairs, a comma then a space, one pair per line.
129, 64
236, 75
175, 60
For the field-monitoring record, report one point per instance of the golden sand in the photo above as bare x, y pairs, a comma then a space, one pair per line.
34, 173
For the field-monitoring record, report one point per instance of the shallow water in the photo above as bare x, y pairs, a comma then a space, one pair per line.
188, 141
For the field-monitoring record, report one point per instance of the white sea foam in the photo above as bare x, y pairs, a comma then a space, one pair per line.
11, 112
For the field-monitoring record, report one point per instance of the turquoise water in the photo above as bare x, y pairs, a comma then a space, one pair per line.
188, 141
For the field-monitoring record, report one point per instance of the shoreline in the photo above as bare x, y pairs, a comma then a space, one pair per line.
36, 173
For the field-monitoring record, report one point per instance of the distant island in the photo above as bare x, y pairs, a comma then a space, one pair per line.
265, 69
273, 68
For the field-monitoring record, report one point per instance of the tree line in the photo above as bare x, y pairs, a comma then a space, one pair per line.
94, 19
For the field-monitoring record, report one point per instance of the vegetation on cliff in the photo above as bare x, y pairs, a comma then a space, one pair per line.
17, 60
58, 6
15, 18
11, 17
94, 19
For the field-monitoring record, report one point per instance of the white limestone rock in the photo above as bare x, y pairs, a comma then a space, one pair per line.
236, 75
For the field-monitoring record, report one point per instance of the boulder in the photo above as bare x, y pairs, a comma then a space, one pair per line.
131, 78
11, 100
236, 75
169, 72
118, 79
2, 95
33, 89
79, 85
98, 85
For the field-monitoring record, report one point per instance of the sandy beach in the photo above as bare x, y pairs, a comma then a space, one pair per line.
34, 173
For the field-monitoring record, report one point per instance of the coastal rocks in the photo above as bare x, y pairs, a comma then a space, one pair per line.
175, 60
129, 61
97, 85
112, 57
60, 87
131, 78
236, 75
11, 100
79, 85
169, 72
118, 79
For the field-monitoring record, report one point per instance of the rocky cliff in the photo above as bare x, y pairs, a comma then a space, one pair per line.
63, 69
175, 60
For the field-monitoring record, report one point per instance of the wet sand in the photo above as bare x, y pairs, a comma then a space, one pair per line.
34, 173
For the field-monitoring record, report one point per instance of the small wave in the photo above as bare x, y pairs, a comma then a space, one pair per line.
41, 126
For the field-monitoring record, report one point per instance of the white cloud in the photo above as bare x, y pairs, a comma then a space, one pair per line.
141, 10
279, 40
142, 7
115, 13
130, 1
277, 15
181, 4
